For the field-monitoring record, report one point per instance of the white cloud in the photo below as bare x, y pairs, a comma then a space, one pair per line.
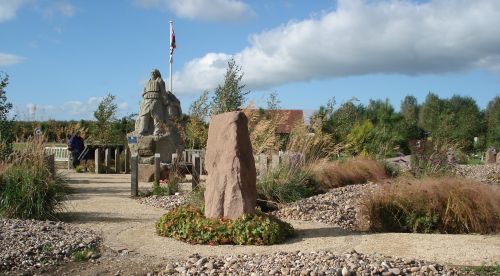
362, 37
9, 59
69, 110
213, 10
8, 9
61, 7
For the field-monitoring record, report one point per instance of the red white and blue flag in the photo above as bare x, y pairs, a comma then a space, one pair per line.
172, 41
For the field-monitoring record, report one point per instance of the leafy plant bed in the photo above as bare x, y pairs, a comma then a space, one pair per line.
189, 224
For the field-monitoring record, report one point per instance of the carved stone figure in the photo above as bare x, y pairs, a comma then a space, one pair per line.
158, 108
156, 128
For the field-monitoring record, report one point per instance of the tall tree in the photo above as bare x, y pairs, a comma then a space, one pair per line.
105, 116
492, 115
461, 121
6, 125
196, 127
344, 119
430, 113
229, 96
409, 112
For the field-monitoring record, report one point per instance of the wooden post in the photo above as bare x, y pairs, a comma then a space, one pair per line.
117, 160
202, 160
51, 164
275, 161
157, 168
262, 164
126, 160
195, 171
134, 175
97, 158
174, 158
107, 159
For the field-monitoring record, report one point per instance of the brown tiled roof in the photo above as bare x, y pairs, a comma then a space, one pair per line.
288, 118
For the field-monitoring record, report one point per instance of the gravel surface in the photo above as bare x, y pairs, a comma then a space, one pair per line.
165, 202
32, 244
305, 263
338, 207
485, 173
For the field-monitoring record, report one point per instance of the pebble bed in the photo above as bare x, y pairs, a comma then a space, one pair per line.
338, 207
489, 173
305, 263
32, 244
166, 202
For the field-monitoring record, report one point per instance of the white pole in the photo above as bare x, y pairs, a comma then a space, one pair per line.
171, 51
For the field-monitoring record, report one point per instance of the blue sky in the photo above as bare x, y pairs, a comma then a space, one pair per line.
63, 56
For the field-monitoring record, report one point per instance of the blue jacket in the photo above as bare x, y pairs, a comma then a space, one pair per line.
76, 143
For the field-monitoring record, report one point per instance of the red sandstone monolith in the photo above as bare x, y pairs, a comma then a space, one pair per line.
230, 187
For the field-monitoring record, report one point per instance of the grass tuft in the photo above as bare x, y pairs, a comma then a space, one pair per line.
435, 205
353, 171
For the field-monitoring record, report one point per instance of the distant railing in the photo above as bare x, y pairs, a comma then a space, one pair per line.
60, 153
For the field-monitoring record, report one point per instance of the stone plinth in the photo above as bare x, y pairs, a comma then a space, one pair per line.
165, 145
231, 183
490, 156
147, 172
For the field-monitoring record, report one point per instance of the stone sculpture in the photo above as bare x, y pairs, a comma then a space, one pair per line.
158, 108
231, 183
156, 128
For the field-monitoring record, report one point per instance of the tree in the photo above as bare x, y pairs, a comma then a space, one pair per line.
105, 116
462, 121
6, 125
430, 114
230, 96
492, 116
196, 127
344, 119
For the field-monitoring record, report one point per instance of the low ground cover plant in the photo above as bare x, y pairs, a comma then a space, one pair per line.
334, 174
189, 224
434, 205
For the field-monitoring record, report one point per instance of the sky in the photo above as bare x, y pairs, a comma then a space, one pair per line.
64, 56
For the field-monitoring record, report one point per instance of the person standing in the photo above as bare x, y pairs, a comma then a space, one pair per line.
76, 146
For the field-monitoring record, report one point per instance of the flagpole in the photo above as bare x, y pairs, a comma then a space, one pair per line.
171, 52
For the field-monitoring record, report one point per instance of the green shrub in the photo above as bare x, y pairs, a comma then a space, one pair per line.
85, 254
80, 169
189, 224
443, 205
286, 183
28, 191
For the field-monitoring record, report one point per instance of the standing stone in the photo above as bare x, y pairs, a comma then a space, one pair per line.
230, 187
490, 156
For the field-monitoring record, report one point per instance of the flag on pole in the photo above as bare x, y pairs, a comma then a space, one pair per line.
172, 41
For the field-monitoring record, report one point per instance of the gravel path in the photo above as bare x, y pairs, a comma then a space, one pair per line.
338, 207
305, 263
31, 244
489, 174
102, 203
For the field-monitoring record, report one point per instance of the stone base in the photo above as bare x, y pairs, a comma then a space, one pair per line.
147, 172
148, 146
